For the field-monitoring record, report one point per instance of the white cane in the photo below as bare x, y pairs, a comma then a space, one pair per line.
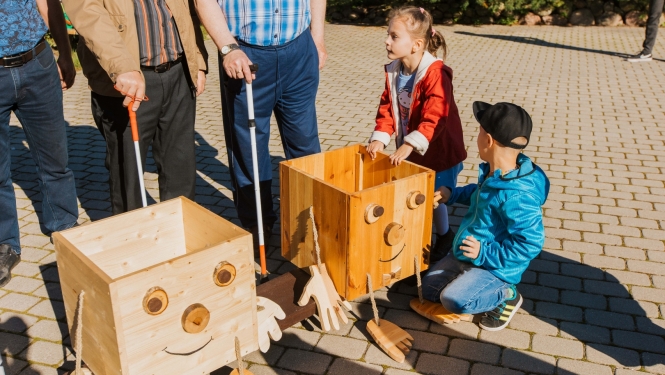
137, 150
255, 167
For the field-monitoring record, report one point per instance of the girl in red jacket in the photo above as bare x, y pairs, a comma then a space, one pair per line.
418, 106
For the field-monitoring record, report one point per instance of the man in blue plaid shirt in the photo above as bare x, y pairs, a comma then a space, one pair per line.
285, 38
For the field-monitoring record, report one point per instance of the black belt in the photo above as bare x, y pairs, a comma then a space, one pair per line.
21, 59
162, 67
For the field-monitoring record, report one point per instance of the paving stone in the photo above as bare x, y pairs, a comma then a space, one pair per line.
571, 367
428, 342
627, 277
12, 366
581, 299
559, 311
299, 338
654, 363
560, 282
539, 293
50, 330
26, 268
304, 361
375, 356
605, 288
528, 361
268, 358
16, 322
342, 346
642, 293
585, 332
23, 284
17, 302
267, 370
44, 352
343, 366
474, 351
639, 341
461, 329
633, 307
13, 344
483, 369
507, 338
609, 319
49, 310
407, 319
393, 371
652, 326
583, 271
437, 364
530, 323
613, 356
557, 346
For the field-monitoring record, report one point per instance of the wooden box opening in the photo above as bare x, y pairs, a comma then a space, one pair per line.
159, 234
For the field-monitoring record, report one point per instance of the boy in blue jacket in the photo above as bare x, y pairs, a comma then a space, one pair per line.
503, 229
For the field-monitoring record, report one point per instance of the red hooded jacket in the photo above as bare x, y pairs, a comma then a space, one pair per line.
434, 128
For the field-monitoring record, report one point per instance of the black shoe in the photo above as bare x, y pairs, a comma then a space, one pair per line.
8, 260
441, 247
73, 226
499, 318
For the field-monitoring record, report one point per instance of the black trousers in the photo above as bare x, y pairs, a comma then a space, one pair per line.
655, 11
165, 122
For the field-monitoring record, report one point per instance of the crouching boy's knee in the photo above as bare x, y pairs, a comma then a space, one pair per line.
455, 303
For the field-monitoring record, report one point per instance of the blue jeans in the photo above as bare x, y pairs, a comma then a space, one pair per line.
286, 84
463, 288
33, 93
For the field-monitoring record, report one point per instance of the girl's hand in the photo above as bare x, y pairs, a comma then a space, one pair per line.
401, 154
375, 147
472, 248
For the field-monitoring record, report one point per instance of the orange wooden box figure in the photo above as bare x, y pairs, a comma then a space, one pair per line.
372, 217
167, 288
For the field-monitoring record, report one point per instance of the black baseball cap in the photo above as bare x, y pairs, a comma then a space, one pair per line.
504, 122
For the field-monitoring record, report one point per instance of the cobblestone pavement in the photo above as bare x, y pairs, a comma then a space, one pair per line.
595, 296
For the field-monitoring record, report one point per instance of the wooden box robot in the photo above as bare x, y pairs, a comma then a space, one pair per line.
372, 217
167, 289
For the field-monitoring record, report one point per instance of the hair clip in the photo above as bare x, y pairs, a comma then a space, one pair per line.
433, 31
422, 10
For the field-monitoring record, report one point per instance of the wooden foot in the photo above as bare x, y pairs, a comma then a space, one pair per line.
236, 372
84, 371
437, 313
393, 340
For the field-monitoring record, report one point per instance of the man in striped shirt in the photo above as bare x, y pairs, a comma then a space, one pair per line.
285, 39
132, 50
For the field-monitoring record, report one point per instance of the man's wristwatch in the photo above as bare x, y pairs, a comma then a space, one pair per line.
228, 48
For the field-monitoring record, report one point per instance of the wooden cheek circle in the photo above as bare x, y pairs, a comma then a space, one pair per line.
373, 212
393, 234
415, 199
155, 301
195, 318
224, 274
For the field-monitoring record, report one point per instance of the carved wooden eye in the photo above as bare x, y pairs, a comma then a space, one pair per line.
415, 199
373, 212
155, 301
224, 274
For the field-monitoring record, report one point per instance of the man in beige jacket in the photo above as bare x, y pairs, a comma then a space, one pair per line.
135, 50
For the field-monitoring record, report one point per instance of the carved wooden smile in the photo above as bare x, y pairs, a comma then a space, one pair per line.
189, 353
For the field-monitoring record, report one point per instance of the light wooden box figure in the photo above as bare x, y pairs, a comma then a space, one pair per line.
167, 288
372, 217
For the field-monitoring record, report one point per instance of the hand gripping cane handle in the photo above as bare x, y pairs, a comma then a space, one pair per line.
132, 122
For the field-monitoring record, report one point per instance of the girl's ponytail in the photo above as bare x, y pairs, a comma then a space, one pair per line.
436, 42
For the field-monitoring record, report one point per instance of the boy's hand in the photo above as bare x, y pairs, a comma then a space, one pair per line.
442, 195
472, 248
401, 154
374, 147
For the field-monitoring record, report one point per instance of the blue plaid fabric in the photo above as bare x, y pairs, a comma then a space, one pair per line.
266, 22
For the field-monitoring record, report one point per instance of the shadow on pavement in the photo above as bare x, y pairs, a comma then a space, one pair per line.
542, 43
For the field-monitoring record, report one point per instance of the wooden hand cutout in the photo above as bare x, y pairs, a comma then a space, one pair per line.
316, 288
267, 315
437, 313
335, 300
395, 341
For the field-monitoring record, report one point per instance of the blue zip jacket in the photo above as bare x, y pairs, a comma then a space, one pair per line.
505, 216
